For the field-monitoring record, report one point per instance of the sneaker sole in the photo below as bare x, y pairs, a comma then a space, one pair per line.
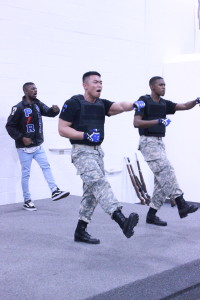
30, 209
132, 222
60, 196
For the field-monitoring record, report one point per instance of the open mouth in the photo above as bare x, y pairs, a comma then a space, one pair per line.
98, 91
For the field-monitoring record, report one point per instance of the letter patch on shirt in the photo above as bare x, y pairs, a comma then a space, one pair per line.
30, 128
13, 110
27, 112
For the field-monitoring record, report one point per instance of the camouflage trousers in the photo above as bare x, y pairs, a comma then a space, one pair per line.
96, 189
165, 182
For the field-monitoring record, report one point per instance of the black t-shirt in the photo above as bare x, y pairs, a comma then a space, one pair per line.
152, 111
170, 106
71, 109
86, 116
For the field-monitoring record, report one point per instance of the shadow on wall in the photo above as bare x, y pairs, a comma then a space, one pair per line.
10, 173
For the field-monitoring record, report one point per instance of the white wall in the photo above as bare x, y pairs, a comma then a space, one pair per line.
182, 140
54, 43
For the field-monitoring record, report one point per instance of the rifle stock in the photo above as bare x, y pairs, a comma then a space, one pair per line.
138, 184
133, 180
140, 174
147, 197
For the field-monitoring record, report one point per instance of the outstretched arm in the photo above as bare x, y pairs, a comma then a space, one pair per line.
187, 105
117, 108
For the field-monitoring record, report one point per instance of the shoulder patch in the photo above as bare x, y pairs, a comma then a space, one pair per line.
64, 107
13, 110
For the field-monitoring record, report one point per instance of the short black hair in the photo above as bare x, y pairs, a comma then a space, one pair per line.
87, 74
153, 79
27, 84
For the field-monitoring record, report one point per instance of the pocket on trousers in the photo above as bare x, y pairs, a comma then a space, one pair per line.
149, 150
157, 166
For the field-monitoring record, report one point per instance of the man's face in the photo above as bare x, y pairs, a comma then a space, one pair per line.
31, 91
158, 87
93, 86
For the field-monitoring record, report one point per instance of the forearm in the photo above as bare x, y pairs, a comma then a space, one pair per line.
186, 106
144, 123
120, 107
70, 133
52, 113
126, 106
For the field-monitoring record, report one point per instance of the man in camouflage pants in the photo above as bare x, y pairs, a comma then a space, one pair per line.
82, 121
151, 122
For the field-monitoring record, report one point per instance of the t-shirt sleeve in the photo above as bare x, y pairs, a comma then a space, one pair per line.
107, 105
141, 111
69, 110
170, 107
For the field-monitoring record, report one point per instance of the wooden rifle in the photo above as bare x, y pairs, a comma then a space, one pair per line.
135, 181
144, 188
141, 194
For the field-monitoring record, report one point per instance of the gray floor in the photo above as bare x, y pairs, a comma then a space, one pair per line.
40, 261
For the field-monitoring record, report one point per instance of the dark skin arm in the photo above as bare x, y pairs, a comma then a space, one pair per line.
139, 123
185, 106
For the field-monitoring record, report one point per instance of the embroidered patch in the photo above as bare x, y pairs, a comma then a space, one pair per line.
64, 107
13, 110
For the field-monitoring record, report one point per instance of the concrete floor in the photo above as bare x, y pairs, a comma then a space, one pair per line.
40, 261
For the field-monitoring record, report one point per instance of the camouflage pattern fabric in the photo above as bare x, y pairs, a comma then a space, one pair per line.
96, 189
165, 182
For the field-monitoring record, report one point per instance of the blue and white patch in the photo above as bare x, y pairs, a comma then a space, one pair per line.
64, 107
30, 128
27, 112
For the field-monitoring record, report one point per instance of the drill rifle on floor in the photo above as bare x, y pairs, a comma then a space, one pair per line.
144, 188
139, 184
134, 180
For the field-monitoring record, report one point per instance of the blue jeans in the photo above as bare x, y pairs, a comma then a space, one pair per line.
26, 159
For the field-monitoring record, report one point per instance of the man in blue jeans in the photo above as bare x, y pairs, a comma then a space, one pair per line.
25, 126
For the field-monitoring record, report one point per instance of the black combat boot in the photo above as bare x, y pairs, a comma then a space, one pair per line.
153, 219
126, 224
184, 208
81, 234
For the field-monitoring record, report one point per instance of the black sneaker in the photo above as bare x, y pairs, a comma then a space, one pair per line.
29, 205
58, 194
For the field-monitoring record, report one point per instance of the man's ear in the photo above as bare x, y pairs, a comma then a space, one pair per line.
85, 85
